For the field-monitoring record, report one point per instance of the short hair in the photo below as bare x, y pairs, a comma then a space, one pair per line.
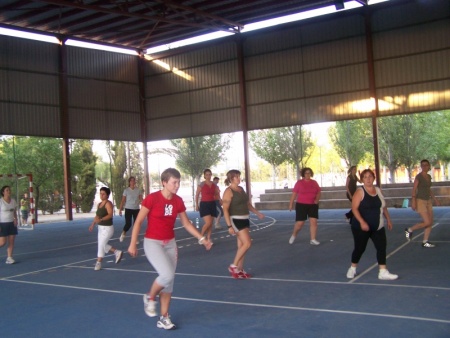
365, 171
425, 161
304, 170
207, 171
168, 173
2, 191
131, 178
216, 178
231, 174
106, 190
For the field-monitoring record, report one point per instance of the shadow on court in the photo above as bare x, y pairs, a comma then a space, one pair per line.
298, 290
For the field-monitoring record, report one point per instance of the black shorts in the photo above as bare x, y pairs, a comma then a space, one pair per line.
240, 224
303, 211
8, 229
208, 209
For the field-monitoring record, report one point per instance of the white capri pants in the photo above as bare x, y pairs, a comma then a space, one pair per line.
163, 256
105, 232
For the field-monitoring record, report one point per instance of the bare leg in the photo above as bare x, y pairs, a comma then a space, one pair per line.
297, 227
244, 242
10, 249
313, 227
207, 227
164, 299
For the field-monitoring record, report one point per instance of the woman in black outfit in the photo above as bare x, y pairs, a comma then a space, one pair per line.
368, 208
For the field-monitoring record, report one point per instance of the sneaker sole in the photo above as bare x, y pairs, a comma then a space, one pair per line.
120, 258
160, 325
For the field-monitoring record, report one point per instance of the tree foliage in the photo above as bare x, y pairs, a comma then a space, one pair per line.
298, 145
195, 154
42, 157
118, 167
352, 140
84, 186
267, 144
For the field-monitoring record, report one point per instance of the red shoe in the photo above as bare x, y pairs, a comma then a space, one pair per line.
244, 275
234, 272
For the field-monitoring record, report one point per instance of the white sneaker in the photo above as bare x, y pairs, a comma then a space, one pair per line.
291, 239
351, 273
10, 260
314, 242
122, 237
165, 323
149, 307
384, 274
118, 254
98, 266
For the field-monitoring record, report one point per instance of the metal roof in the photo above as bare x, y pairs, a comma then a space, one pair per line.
143, 24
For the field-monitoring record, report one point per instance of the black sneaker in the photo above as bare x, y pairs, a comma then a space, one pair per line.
408, 234
428, 245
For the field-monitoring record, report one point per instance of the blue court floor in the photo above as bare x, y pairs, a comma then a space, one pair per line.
298, 290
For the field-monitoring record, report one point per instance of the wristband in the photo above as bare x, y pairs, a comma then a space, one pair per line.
229, 226
200, 241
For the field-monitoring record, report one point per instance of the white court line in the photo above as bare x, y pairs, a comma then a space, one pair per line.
282, 307
390, 254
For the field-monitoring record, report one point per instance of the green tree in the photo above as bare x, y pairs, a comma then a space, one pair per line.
118, 167
83, 163
42, 157
134, 166
195, 154
298, 145
404, 141
267, 144
352, 140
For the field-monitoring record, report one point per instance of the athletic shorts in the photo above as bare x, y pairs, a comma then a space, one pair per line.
240, 222
424, 205
8, 229
208, 209
303, 211
24, 214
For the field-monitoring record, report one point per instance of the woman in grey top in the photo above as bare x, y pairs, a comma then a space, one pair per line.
422, 203
131, 199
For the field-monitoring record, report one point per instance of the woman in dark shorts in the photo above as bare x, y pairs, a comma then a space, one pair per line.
307, 193
205, 201
236, 209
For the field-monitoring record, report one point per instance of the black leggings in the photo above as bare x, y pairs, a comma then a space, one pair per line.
362, 237
130, 214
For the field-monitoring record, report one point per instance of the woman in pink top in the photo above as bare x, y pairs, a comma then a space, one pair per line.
307, 193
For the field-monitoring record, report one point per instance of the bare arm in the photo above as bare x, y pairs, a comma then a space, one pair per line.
122, 203
197, 202
193, 231
226, 201
291, 202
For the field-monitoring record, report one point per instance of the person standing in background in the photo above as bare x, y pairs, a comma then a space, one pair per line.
218, 201
131, 199
104, 219
422, 202
205, 202
307, 194
351, 182
8, 222
25, 208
